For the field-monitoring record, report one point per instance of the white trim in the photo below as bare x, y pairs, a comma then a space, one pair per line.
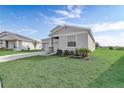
66, 39
4, 44
76, 39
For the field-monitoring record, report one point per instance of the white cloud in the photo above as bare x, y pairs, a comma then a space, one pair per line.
58, 21
65, 14
28, 31
55, 20
122, 34
72, 11
61, 17
105, 26
110, 40
108, 26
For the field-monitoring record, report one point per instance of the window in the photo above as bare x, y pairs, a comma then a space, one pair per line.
1, 42
71, 40
72, 44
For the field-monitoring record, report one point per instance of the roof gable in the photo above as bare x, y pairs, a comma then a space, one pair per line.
6, 37
59, 27
15, 36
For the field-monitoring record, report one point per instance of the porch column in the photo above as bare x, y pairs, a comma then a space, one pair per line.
51, 42
51, 45
4, 44
17, 45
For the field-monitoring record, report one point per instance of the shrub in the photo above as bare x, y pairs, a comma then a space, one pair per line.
28, 48
76, 52
84, 52
71, 52
66, 53
97, 45
119, 48
59, 52
111, 48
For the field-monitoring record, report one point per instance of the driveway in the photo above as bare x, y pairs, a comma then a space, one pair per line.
22, 55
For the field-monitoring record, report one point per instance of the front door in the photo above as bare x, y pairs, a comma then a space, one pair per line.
6, 44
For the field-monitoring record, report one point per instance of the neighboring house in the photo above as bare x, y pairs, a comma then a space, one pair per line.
68, 38
9, 40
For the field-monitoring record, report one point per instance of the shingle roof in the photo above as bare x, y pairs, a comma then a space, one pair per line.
17, 36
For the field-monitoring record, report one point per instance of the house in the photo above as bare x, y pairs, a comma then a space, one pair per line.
9, 40
68, 37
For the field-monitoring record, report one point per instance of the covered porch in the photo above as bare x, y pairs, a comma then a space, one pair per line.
11, 44
54, 44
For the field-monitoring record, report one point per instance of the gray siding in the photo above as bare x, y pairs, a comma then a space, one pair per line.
70, 34
82, 40
91, 43
68, 30
62, 42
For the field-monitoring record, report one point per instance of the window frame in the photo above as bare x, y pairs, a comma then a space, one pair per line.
71, 42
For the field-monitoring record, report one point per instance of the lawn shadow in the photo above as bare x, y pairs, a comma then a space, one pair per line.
112, 78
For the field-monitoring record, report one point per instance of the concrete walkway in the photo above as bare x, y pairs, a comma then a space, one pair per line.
21, 55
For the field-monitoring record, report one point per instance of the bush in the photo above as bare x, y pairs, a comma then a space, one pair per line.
59, 52
66, 53
84, 52
111, 48
76, 52
71, 52
119, 48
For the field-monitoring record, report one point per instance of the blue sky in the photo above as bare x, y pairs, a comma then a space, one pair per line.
106, 22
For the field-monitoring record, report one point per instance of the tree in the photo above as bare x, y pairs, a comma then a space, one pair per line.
97, 44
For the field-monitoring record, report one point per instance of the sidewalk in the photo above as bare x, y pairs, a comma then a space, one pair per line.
22, 55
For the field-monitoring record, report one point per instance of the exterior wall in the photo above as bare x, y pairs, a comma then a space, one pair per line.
70, 34
74, 30
91, 44
39, 46
82, 40
1, 43
45, 44
11, 44
26, 45
45, 47
55, 44
18, 45
62, 42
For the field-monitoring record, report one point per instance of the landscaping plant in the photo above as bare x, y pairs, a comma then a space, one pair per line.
83, 52
66, 53
59, 52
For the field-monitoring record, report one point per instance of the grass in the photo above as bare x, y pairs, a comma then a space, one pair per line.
104, 69
9, 52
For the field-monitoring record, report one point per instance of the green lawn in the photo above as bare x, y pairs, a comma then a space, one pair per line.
104, 69
9, 52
